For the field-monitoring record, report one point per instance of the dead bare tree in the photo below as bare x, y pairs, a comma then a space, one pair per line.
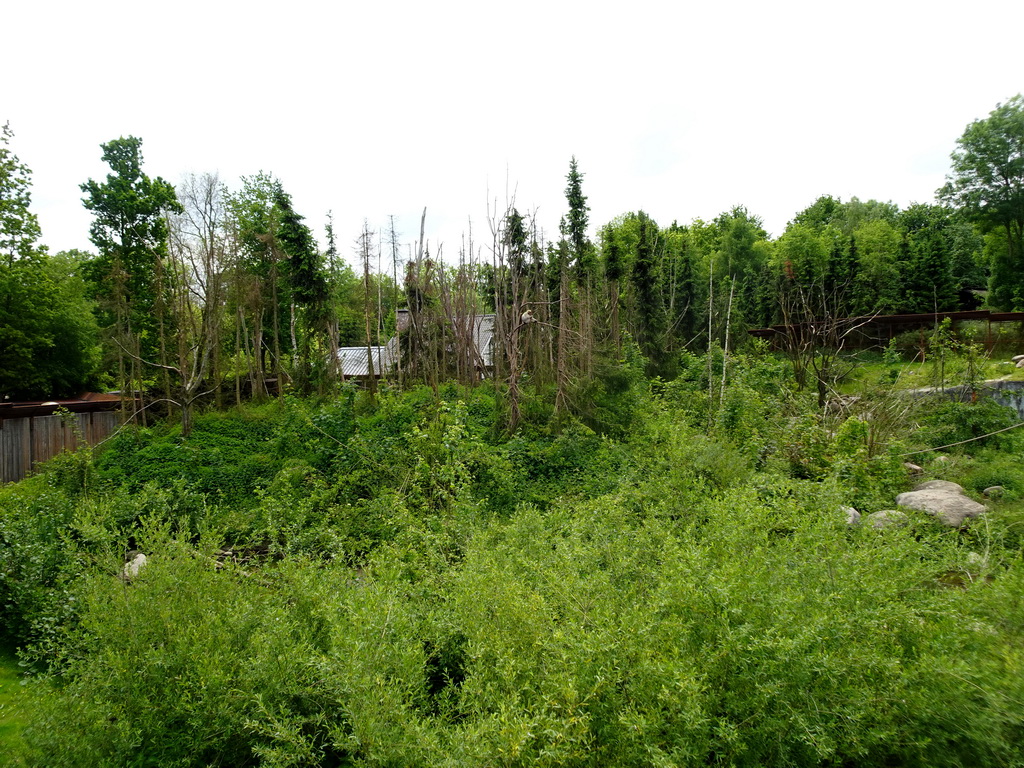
365, 251
815, 333
562, 372
195, 291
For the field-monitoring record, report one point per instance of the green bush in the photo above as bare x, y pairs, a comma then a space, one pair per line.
949, 422
382, 584
1005, 472
202, 665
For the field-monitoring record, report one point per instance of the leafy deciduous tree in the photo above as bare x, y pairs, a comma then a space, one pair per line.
47, 331
987, 182
130, 232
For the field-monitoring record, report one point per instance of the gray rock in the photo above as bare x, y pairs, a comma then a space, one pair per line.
1017, 359
939, 485
852, 515
994, 492
887, 518
949, 507
913, 469
135, 564
1020, 364
941, 459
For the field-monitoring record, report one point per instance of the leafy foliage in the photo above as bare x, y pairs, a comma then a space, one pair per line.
988, 184
48, 336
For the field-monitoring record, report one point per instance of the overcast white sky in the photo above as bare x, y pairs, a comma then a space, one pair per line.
382, 108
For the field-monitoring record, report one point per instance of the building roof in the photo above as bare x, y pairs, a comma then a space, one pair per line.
385, 358
354, 363
84, 403
483, 338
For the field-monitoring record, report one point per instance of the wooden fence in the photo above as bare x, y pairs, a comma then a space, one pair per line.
28, 440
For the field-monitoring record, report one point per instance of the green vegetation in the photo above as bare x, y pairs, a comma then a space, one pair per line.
394, 580
618, 535
12, 718
204, 294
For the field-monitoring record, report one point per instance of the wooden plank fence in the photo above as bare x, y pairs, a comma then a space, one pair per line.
26, 441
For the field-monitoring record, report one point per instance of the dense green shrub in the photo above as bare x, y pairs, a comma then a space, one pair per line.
396, 586
49, 538
227, 455
586, 635
948, 422
202, 664
1005, 469
34, 559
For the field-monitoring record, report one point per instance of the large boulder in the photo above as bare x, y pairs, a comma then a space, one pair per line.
939, 485
943, 500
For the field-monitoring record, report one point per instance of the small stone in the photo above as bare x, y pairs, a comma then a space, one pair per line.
852, 515
941, 459
887, 518
994, 492
1020, 364
1017, 359
913, 469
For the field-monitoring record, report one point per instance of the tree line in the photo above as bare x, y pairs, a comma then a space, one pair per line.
203, 292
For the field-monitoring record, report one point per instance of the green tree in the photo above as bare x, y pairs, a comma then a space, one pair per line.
828, 211
48, 336
308, 287
741, 257
130, 233
49, 339
262, 300
645, 278
682, 288
575, 225
614, 270
19, 227
987, 183
877, 280
583, 266
928, 283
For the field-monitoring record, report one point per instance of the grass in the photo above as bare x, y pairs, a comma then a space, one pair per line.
871, 370
12, 718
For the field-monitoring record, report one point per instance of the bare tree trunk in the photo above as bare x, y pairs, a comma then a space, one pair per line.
725, 355
394, 276
562, 376
711, 313
365, 248
238, 351
278, 372
616, 332
291, 333
161, 316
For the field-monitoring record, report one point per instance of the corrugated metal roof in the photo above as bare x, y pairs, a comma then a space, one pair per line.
480, 329
354, 359
385, 358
